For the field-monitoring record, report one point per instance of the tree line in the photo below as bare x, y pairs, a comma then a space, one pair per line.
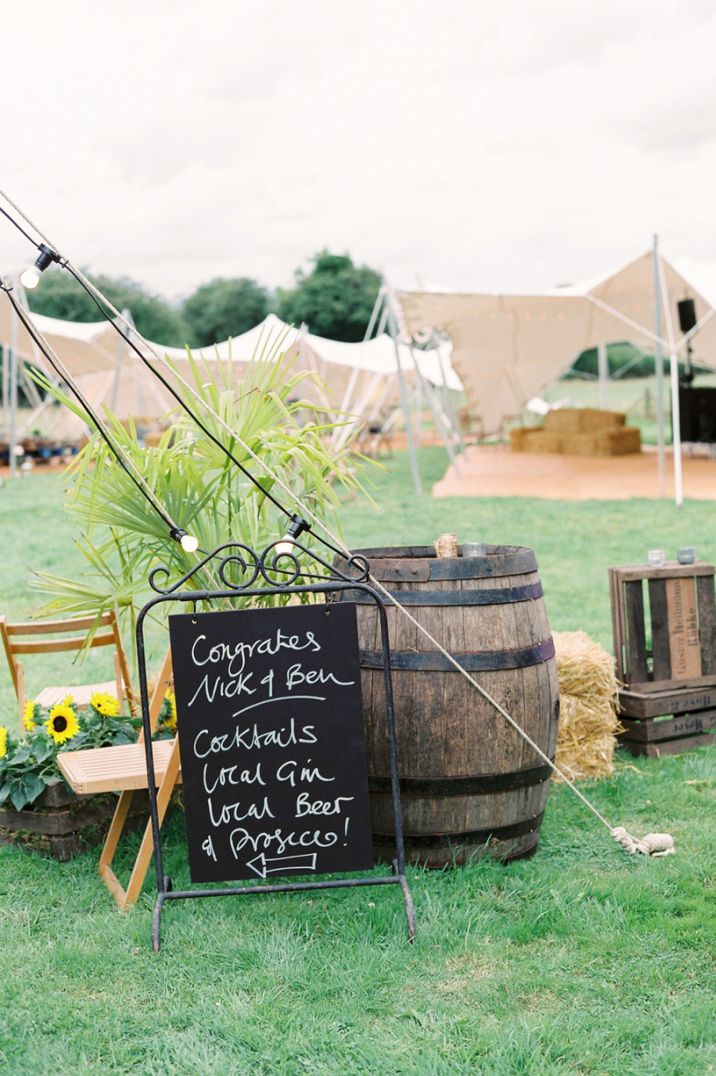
334, 298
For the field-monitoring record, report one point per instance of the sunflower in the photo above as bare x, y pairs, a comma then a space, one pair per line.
30, 713
104, 703
170, 720
62, 724
3, 741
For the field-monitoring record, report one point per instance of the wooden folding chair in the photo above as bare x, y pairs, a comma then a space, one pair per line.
106, 633
123, 769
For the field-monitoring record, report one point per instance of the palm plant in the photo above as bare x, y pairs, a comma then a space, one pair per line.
122, 536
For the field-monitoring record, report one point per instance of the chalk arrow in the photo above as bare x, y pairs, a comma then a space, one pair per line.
260, 865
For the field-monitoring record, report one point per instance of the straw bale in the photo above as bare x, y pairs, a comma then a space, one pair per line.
563, 420
588, 723
543, 441
518, 442
580, 444
619, 442
593, 420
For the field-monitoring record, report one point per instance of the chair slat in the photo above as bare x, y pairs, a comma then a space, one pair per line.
113, 769
72, 623
55, 646
81, 693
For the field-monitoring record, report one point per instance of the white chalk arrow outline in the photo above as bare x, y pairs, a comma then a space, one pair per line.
302, 864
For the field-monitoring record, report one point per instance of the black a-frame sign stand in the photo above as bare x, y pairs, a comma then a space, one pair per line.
270, 726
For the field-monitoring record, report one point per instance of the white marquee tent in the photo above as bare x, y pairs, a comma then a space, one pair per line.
355, 379
509, 348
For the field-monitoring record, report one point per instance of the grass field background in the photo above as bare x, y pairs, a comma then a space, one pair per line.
581, 960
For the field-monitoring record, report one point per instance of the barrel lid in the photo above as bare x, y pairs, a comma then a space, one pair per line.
421, 563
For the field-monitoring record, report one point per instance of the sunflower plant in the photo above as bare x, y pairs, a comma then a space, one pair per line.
28, 763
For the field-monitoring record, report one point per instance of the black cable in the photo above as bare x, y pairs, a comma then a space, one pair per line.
18, 226
286, 511
169, 387
99, 425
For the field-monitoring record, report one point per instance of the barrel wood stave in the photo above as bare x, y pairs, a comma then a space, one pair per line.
447, 732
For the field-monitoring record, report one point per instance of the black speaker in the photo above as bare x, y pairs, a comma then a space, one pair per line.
687, 314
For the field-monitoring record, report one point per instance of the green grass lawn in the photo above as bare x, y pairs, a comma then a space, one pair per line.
581, 960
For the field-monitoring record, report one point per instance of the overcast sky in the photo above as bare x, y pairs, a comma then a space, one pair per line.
490, 145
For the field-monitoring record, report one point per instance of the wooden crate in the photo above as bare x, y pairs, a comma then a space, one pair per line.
667, 722
664, 626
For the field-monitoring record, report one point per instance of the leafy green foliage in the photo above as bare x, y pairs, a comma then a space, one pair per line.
335, 299
224, 308
26, 770
123, 537
60, 296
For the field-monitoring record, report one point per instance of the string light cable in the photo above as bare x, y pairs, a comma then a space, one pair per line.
60, 369
652, 844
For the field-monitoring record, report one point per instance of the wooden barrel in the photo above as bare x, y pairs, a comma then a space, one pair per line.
469, 782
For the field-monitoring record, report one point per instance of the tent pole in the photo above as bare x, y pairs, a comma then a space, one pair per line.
441, 420
383, 321
12, 458
380, 299
423, 386
659, 368
417, 484
5, 391
341, 434
448, 400
603, 371
121, 348
674, 374
417, 411
676, 428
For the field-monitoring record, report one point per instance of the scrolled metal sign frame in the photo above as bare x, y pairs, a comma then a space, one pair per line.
242, 572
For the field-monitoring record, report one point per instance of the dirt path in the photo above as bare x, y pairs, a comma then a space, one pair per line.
495, 471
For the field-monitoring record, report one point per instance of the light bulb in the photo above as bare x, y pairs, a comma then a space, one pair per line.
284, 546
188, 542
295, 529
30, 278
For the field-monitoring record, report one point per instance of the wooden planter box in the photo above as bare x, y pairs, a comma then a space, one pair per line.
60, 823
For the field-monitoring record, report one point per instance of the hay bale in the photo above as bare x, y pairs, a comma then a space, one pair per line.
518, 436
594, 420
543, 441
621, 442
580, 444
563, 420
588, 723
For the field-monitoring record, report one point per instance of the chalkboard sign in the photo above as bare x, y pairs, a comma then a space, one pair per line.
271, 741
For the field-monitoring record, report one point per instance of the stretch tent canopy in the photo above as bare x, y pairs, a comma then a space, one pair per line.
82, 346
321, 354
509, 348
350, 377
